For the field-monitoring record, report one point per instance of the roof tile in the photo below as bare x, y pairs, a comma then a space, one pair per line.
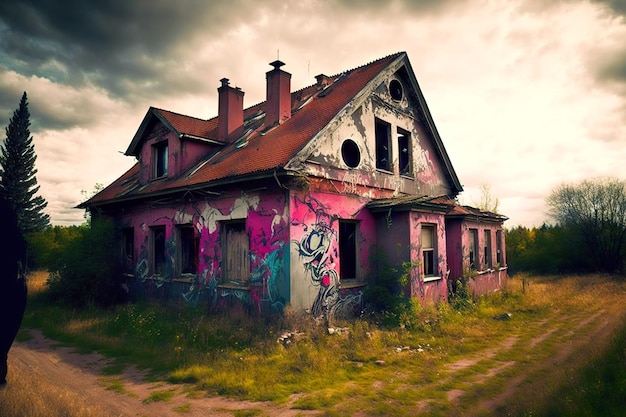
266, 147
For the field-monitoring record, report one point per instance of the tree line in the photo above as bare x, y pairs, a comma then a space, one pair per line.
588, 234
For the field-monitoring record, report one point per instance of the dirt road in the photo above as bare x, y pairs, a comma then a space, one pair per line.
125, 395
132, 394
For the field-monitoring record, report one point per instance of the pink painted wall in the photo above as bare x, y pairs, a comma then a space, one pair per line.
484, 279
182, 154
266, 222
425, 288
455, 248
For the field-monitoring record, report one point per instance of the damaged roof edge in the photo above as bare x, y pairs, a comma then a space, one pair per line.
274, 173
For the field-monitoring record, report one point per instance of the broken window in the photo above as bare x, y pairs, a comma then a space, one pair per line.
429, 255
128, 250
404, 149
395, 90
383, 145
473, 248
487, 249
350, 153
187, 249
348, 249
499, 259
159, 260
235, 254
160, 159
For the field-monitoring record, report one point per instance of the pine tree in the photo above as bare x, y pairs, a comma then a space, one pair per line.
18, 183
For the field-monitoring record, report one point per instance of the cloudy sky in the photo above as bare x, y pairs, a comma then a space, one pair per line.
526, 94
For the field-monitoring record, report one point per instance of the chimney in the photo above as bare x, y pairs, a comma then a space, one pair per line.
230, 111
278, 102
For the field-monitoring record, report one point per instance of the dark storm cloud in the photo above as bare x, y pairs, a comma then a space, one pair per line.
618, 6
613, 66
112, 44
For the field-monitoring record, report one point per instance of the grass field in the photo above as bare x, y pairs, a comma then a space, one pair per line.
553, 346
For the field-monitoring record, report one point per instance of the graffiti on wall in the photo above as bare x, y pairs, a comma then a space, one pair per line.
266, 226
318, 251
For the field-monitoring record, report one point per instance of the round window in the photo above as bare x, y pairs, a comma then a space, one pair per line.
395, 89
350, 153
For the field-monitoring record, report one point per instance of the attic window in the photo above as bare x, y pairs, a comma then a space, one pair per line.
383, 145
404, 150
350, 153
159, 152
395, 90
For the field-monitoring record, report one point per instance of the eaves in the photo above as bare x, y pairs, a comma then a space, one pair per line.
207, 187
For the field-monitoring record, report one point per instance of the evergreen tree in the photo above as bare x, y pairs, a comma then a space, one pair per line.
18, 183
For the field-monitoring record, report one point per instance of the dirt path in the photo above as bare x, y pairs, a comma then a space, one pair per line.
82, 373
130, 394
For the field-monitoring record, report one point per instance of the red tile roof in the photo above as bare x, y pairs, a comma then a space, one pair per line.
442, 204
267, 148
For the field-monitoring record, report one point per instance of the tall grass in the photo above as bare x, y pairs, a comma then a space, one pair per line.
363, 366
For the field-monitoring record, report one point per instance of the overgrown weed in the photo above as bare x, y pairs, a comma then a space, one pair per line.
241, 356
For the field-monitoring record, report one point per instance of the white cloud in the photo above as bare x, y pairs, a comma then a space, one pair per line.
518, 93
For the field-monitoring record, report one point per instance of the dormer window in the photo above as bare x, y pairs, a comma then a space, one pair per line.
159, 161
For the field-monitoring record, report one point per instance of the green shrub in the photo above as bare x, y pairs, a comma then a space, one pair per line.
459, 294
86, 271
386, 300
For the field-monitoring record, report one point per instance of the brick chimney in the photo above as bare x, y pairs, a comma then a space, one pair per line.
230, 111
278, 102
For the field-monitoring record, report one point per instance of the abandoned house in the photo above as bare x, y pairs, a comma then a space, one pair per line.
289, 201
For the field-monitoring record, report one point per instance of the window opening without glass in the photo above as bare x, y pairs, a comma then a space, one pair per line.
395, 90
404, 149
160, 159
383, 145
473, 248
159, 261
188, 249
487, 243
350, 153
128, 249
499, 259
348, 249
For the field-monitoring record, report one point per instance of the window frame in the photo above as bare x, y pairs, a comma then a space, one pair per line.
474, 262
499, 255
487, 255
158, 261
187, 250
348, 262
382, 135
160, 159
429, 270
127, 250
404, 160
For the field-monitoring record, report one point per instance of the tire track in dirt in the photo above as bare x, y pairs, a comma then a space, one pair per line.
600, 331
515, 344
82, 373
